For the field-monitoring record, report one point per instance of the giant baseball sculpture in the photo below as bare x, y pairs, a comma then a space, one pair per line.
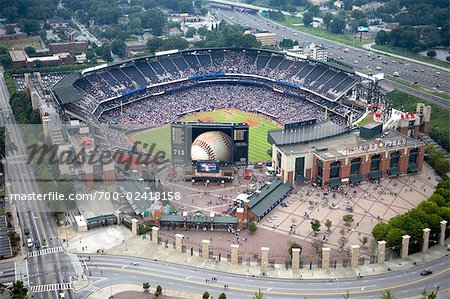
212, 145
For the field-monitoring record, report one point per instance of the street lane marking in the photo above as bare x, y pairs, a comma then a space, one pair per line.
45, 251
278, 292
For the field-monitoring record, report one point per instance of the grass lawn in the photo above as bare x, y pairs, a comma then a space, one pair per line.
259, 126
366, 120
415, 56
20, 44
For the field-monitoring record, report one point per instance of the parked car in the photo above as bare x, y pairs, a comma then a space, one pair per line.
26, 231
37, 244
426, 272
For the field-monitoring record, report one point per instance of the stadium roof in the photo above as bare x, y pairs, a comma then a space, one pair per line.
65, 91
270, 194
175, 52
305, 134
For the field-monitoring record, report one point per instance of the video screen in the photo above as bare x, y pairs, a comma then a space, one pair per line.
207, 167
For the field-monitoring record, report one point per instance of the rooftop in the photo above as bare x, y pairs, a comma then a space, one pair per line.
18, 55
350, 144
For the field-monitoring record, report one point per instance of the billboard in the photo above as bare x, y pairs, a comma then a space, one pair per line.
200, 141
208, 166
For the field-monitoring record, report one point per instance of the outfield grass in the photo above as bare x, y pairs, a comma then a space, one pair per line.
259, 126
20, 44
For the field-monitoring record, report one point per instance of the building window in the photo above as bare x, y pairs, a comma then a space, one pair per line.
395, 157
375, 163
413, 156
319, 168
355, 165
335, 169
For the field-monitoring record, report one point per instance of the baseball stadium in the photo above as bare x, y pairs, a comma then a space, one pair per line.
266, 89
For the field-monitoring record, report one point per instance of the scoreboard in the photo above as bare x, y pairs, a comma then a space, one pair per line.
184, 133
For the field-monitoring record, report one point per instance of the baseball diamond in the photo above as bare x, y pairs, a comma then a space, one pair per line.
259, 126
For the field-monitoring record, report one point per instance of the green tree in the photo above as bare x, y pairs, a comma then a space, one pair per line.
338, 24
252, 226
315, 226
348, 219
307, 19
431, 54
222, 296
293, 244
382, 38
387, 295
327, 19
146, 287
202, 31
190, 32
287, 43
155, 19
328, 225
205, 295
30, 27
158, 291
424, 294
18, 290
394, 237
154, 44
118, 47
258, 295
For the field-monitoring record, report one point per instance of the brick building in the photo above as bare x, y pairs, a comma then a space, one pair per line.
349, 157
69, 47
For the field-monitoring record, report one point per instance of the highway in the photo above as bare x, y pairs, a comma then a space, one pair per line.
49, 265
359, 59
109, 270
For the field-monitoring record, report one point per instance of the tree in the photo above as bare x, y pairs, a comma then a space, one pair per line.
118, 48
252, 226
205, 295
315, 226
287, 43
387, 295
327, 19
202, 31
155, 20
364, 241
307, 19
18, 290
146, 287
431, 54
222, 296
258, 295
424, 294
190, 32
293, 244
158, 291
348, 219
30, 27
394, 237
382, 38
328, 225
338, 24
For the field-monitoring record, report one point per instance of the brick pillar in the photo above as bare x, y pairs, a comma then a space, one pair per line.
134, 226
240, 217
405, 246
234, 253
442, 233
426, 239
326, 258
264, 257
354, 255
295, 258
118, 219
205, 249
179, 242
155, 234
381, 251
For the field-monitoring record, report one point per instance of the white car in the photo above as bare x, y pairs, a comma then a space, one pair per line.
30, 242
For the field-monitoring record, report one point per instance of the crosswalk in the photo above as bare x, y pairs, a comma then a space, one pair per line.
45, 251
76, 264
51, 287
91, 288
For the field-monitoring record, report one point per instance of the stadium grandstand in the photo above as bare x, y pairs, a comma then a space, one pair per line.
150, 91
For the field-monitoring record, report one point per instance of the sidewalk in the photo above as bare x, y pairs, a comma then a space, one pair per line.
119, 288
369, 47
138, 247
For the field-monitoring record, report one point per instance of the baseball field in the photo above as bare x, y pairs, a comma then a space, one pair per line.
259, 126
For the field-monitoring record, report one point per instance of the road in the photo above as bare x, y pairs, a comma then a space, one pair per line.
361, 60
49, 265
110, 270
